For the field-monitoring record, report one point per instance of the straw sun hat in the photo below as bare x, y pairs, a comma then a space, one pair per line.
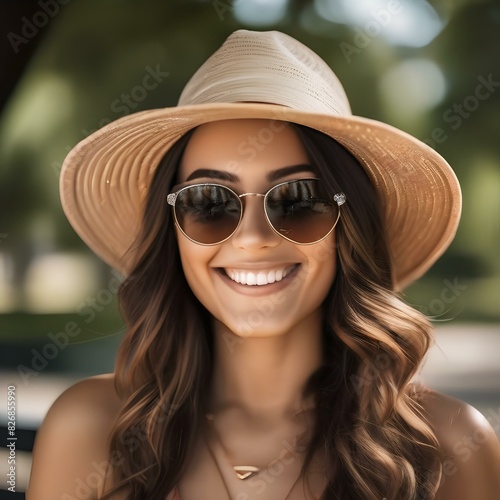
268, 75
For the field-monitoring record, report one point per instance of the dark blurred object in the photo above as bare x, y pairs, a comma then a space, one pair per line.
22, 27
7, 495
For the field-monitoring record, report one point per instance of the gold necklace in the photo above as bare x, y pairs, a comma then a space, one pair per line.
253, 470
243, 472
246, 471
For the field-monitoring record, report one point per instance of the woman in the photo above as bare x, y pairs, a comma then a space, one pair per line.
264, 233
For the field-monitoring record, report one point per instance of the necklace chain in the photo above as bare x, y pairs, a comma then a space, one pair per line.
216, 461
252, 471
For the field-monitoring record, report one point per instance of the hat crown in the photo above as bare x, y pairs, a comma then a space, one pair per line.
267, 67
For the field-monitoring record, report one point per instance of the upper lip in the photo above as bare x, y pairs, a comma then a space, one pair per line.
258, 266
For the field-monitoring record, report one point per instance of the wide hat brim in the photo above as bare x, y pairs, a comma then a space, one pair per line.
105, 179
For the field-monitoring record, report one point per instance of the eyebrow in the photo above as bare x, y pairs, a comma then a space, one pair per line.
292, 169
227, 176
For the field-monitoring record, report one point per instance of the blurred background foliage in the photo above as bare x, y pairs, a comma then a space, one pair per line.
415, 64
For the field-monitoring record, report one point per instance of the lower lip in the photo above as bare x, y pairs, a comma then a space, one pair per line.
258, 290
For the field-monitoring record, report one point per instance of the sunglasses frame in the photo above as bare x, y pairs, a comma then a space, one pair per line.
339, 198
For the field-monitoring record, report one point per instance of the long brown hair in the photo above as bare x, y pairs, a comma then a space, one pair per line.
368, 421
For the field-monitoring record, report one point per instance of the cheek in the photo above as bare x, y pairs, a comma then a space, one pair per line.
195, 261
322, 259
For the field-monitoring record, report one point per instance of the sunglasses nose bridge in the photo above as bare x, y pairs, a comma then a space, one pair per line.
250, 194
254, 226
243, 203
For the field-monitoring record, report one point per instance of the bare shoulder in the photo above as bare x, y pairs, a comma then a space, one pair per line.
471, 464
90, 405
70, 456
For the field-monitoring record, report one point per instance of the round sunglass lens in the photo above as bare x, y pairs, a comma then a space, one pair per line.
301, 211
207, 213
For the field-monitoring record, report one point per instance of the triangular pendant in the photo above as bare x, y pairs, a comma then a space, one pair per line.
245, 471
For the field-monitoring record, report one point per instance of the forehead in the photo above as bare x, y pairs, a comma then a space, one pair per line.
236, 145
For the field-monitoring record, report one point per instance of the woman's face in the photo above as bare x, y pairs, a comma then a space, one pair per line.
251, 156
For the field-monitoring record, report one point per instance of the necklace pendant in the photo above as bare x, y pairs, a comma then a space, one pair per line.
245, 471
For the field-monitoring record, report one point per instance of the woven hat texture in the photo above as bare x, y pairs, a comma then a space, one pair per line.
268, 75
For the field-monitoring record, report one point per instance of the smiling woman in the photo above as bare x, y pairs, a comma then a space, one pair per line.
219, 274
268, 354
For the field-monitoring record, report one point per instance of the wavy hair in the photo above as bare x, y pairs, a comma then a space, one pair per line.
369, 423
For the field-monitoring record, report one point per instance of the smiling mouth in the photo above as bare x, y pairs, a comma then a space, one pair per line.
259, 278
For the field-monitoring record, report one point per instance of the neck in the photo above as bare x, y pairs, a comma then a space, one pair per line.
265, 376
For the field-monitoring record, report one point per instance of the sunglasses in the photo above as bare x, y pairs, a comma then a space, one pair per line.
301, 211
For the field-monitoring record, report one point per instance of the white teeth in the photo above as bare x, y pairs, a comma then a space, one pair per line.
258, 277
262, 278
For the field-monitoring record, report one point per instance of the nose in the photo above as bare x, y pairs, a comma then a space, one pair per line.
254, 231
